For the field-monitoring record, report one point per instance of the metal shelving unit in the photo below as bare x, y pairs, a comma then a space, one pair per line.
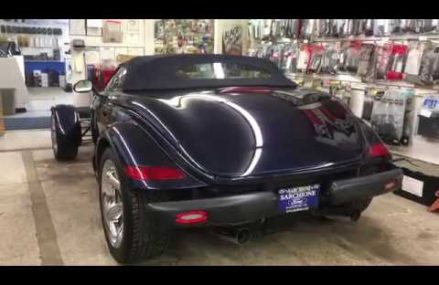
358, 83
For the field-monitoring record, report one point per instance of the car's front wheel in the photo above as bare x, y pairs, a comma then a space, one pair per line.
131, 234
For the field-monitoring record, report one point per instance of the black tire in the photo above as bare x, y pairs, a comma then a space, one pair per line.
142, 236
64, 146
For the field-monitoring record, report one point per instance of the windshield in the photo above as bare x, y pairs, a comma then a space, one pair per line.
222, 70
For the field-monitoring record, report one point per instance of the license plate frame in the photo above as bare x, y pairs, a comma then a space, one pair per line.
298, 198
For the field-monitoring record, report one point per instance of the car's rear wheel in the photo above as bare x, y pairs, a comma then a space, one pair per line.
131, 234
64, 146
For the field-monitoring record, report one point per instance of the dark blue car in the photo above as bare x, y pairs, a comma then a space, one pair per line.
221, 141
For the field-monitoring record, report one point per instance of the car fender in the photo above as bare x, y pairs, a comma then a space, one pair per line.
134, 146
67, 120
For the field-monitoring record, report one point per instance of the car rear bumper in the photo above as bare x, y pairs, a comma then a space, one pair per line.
245, 208
347, 190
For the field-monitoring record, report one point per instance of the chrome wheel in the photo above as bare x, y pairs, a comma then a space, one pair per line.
111, 201
53, 135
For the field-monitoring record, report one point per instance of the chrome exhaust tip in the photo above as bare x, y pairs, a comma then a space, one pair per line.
243, 235
237, 236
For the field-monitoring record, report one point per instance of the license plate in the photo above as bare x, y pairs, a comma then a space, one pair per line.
300, 198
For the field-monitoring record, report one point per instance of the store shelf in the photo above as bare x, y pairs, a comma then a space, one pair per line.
22, 48
417, 37
358, 83
31, 65
43, 60
414, 37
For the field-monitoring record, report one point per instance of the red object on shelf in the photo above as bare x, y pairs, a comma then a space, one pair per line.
435, 206
356, 44
100, 76
394, 75
399, 49
398, 52
106, 75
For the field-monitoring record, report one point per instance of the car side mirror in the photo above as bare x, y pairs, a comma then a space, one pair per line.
83, 86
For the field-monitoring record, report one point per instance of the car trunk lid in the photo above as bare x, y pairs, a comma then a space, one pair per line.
249, 132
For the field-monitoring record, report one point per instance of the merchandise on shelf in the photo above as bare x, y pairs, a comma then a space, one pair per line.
269, 30
429, 117
295, 45
304, 58
112, 31
283, 54
290, 53
9, 48
384, 52
391, 115
372, 94
316, 59
183, 36
413, 63
381, 28
429, 71
330, 59
308, 28
232, 41
350, 56
396, 62
366, 61
430, 25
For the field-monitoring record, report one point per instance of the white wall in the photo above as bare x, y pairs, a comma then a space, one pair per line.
141, 43
91, 40
146, 39
149, 36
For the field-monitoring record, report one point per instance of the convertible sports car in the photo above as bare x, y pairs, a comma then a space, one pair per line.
221, 141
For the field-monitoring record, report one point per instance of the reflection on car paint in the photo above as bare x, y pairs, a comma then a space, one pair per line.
129, 151
179, 102
324, 122
156, 118
182, 149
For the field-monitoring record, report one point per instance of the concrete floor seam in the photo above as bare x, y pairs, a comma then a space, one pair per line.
45, 230
24, 149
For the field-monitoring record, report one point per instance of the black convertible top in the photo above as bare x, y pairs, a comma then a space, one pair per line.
159, 72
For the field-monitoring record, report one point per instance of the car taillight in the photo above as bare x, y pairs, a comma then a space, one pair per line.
191, 217
378, 150
153, 173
